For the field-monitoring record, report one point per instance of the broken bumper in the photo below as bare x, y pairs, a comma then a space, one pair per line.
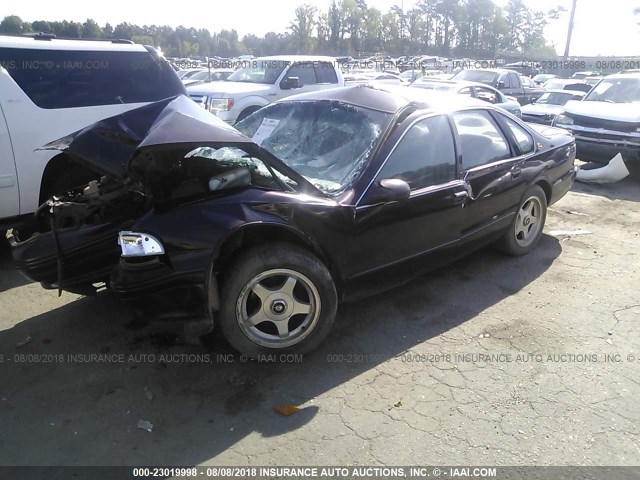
161, 287
85, 256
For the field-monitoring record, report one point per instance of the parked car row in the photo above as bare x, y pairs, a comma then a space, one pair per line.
508, 82
471, 89
551, 103
200, 75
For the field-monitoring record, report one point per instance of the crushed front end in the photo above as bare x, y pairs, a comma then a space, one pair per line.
71, 242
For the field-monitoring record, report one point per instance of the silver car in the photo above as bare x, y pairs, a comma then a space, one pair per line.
477, 90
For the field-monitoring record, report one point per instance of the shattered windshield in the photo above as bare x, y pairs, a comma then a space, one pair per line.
616, 90
259, 71
327, 142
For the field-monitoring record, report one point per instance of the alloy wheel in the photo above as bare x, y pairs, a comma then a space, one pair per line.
278, 308
528, 223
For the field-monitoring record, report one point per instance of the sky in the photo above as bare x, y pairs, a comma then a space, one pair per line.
604, 28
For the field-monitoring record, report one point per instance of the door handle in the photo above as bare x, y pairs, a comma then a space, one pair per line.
515, 172
461, 197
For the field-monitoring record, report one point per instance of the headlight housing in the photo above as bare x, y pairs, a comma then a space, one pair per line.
134, 244
220, 105
563, 120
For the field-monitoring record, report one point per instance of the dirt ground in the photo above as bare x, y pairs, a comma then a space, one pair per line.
403, 379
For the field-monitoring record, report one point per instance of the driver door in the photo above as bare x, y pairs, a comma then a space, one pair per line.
391, 232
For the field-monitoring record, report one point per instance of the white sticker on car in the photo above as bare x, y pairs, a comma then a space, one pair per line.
265, 130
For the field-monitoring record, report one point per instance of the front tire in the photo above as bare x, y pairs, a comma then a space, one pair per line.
278, 298
525, 231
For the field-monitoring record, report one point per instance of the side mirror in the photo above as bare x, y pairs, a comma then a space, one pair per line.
291, 82
390, 190
501, 84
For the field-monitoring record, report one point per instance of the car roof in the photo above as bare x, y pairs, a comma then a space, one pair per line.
388, 98
624, 75
298, 58
494, 70
567, 80
460, 83
570, 92
36, 42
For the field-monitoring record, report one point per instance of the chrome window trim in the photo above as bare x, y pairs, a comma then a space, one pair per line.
423, 191
494, 164
436, 188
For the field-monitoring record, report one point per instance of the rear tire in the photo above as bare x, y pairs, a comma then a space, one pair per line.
526, 229
277, 298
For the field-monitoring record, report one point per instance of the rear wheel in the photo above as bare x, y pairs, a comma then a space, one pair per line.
526, 229
277, 299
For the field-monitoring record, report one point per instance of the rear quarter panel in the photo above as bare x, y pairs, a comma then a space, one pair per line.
554, 160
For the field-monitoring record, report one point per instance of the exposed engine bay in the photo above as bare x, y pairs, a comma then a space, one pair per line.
60, 226
97, 202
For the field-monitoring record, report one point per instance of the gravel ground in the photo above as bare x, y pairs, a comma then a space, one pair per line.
495, 360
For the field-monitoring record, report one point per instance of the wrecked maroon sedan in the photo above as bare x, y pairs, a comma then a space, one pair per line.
319, 198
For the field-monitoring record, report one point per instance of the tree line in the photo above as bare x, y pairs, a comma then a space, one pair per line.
461, 28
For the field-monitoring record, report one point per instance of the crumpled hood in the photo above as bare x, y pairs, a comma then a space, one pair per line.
228, 89
542, 109
108, 145
621, 112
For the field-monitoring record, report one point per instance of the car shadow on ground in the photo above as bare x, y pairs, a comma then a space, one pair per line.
9, 277
59, 406
627, 189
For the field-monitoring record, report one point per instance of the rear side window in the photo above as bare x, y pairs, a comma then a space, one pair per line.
481, 141
68, 79
524, 140
326, 73
305, 73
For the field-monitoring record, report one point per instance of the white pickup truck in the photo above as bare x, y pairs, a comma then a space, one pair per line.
264, 80
607, 120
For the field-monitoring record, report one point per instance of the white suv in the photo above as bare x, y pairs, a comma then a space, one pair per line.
50, 88
265, 80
